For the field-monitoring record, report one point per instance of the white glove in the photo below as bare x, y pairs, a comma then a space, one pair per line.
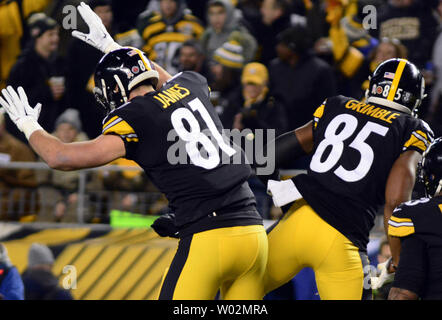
283, 192
98, 37
384, 277
21, 113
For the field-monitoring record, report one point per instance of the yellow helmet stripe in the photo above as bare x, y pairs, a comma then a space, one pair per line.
396, 79
140, 53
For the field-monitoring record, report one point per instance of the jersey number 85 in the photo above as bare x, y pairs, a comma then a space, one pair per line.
336, 141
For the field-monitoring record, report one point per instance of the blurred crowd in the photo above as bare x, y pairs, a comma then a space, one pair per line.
269, 64
36, 282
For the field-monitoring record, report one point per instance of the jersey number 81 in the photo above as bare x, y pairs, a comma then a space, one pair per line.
195, 136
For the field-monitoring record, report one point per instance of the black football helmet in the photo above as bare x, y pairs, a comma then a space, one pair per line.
431, 168
118, 72
398, 84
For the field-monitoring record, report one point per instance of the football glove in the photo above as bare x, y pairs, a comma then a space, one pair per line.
98, 37
283, 192
384, 277
20, 112
165, 226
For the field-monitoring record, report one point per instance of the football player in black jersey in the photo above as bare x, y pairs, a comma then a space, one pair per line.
364, 155
418, 223
223, 244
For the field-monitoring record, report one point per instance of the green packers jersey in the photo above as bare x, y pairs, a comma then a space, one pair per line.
175, 135
355, 146
422, 217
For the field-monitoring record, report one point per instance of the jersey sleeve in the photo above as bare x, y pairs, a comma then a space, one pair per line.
121, 123
419, 137
401, 223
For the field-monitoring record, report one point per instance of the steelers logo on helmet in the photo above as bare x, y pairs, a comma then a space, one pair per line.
119, 72
397, 84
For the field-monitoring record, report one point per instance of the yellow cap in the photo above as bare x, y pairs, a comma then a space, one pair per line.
255, 73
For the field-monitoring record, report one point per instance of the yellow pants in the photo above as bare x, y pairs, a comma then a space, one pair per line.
232, 260
302, 239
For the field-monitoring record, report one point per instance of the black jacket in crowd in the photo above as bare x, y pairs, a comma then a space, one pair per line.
301, 88
415, 26
32, 72
43, 285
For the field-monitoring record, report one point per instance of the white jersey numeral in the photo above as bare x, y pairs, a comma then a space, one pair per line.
336, 141
195, 136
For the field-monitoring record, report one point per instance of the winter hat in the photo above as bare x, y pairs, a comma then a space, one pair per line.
230, 54
39, 254
71, 116
296, 38
39, 23
255, 73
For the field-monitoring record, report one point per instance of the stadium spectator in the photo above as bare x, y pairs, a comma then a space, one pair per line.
226, 69
355, 68
259, 110
11, 284
298, 78
348, 41
58, 189
224, 19
164, 32
274, 18
413, 23
16, 185
39, 281
41, 72
13, 30
192, 58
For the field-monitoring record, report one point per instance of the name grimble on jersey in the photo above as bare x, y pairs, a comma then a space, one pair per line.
372, 111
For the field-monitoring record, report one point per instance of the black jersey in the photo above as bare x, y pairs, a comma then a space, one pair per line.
422, 217
167, 133
355, 146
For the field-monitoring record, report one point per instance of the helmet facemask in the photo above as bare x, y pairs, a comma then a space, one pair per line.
119, 72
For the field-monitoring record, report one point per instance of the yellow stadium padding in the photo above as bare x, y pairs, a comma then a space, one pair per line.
97, 268
67, 257
125, 284
18, 249
116, 271
148, 285
121, 264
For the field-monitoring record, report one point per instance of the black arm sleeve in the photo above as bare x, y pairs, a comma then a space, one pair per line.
287, 149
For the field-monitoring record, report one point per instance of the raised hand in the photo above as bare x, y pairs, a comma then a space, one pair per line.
98, 37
